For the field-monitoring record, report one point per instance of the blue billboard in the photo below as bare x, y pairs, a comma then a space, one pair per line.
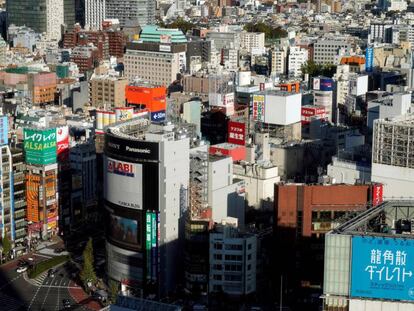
158, 116
369, 59
382, 268
4, 130
326, 84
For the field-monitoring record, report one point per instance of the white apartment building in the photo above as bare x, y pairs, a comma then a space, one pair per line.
278, 61
232, 259
95, 12
54, 19
297, 57
252, 41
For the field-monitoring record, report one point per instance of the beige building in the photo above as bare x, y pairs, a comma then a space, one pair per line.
156, 63
278, 60
252, 41
107, 90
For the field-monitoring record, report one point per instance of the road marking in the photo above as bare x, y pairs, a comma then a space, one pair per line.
58, 300
31, 302
47, 294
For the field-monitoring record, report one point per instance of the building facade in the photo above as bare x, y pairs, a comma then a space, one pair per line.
146, 175
94, 14
142, 11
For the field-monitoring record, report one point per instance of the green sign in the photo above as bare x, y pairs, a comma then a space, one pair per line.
148, 243
40, 146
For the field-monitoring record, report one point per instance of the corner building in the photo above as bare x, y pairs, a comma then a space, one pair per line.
146, 176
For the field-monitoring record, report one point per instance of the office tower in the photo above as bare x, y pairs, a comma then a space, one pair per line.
142, 11
146, 176
43, 16
84, 173
94, 14
69, 13
80, 12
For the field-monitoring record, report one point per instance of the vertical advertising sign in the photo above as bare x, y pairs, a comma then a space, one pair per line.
4, 130
148, 229
40, 146
316, 84
258, 108
236, 133
369, 59
382, 268
151, 245
62, 139
377, 194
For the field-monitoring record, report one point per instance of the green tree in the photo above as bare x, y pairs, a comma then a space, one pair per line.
88, 272
269, 31
314, 69
6, 246
179, 23
113, 290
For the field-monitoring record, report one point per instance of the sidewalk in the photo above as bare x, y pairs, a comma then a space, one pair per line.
80, 297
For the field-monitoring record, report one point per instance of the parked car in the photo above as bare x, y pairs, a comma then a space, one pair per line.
21, 269
58, 250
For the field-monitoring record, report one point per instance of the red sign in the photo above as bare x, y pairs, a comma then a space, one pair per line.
377, 194
121, 168
236, 133
62, 134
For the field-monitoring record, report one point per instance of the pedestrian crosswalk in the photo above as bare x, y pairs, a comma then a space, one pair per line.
12, 303
38, 281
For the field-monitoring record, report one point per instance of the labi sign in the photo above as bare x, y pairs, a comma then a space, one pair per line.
40, 146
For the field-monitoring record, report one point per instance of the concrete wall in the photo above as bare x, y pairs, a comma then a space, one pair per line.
398, 181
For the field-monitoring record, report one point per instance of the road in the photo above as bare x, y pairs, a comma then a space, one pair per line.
44, 293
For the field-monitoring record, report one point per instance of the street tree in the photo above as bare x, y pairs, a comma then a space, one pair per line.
88, 275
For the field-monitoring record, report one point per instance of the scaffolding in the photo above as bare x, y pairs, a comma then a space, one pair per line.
393, 142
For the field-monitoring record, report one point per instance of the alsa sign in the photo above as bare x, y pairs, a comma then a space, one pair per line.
121, 168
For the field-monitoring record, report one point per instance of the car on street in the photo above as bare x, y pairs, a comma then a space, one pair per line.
66, 303
51, 273
21, 269
22, 263
58, 250
30, 259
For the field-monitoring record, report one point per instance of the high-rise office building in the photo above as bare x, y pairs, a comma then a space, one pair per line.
94, 14
69, 13
43, 16
142, 11
146, 177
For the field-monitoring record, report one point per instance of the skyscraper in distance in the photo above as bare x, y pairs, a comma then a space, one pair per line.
43, 16
141, 10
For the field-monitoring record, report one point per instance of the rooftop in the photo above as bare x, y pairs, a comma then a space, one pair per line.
151, 33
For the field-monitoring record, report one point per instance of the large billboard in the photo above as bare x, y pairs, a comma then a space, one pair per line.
236, 133
258, 108
123, 183
135, 149
124, 230
382, 268
40, 146
4, 130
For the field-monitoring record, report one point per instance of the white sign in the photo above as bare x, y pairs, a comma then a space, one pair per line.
165, 48
123, 183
